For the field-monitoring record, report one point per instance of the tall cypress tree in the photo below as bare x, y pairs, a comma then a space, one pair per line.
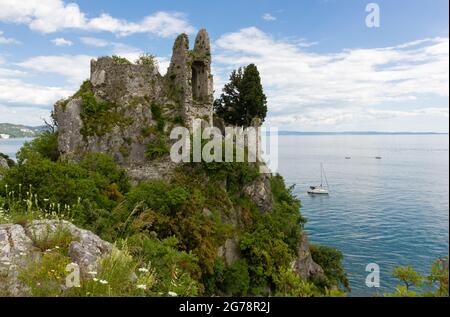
242, 99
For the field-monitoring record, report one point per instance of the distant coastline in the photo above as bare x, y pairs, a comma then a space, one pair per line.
360, 133
15, 131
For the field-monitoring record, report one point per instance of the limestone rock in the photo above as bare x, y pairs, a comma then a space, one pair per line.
70, 139
84, 250
3, 163
133, 91
304, 265
260, 192
230, 251
17, 249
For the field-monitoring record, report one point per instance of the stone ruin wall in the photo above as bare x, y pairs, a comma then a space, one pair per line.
186, 91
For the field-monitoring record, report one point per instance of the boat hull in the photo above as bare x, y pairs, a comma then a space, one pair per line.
318, 191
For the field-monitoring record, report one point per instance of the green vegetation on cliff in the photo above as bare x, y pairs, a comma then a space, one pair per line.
99, 117
175, 225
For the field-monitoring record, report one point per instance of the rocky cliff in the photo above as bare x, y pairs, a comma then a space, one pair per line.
124, 108
127, 110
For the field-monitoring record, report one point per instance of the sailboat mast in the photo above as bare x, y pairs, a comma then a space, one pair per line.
321, 174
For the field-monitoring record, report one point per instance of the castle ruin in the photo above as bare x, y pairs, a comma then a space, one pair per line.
126, 107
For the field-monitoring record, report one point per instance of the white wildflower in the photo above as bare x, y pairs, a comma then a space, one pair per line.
143, 270
173, 294
103, 282
142, 286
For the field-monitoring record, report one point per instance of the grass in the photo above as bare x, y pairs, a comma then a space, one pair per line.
58, 239
22, 207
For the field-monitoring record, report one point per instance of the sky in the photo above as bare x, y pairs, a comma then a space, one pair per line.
322, 67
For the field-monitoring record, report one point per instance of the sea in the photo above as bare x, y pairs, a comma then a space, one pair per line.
390, 211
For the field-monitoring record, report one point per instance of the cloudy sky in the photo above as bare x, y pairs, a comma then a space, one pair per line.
322, 68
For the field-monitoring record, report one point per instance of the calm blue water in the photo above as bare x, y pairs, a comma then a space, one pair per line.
11, 146
393, 211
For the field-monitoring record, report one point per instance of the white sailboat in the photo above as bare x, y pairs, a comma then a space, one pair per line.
321, 189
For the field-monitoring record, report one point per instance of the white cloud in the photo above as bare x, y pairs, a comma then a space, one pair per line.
60, 41
94, 41
363, 119
74, 67
163, 24
116, 48
124, 50
163, 64
49, 16
268, 17
25, 102
7, 40
18, 92
7, 72
28, 115
353, 79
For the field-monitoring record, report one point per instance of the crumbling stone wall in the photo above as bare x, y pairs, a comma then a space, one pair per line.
190, 72
134, 89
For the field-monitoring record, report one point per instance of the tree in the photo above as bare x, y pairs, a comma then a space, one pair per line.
330, 259
408, 276
242, 99
439, 276
435, 284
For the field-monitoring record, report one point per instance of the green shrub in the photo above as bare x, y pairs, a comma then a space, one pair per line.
100, 117
288, 283
45, 146
433, 285
120, 60
158, 117
271, 239
177, 271
330, 259
176, 209
148, 60
67, 183
236, 280
156, 150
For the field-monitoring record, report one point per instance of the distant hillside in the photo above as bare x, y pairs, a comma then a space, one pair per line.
359, 133
8, 130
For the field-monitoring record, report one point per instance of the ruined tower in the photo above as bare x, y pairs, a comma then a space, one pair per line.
190, 72
127, 109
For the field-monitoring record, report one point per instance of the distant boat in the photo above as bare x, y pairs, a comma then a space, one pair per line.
378, 157
348, 157
320, 190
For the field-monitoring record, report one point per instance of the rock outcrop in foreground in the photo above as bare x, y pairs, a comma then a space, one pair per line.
3, 163
19, 245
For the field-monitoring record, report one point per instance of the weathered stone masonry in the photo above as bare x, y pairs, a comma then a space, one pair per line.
184, 93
